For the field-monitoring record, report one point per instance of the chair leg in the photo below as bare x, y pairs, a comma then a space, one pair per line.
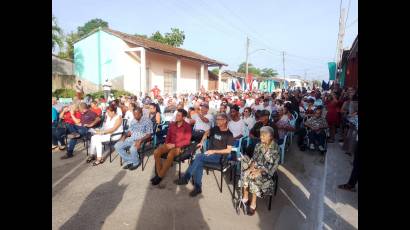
276, 185
110, 154
221, 180
120, 161
234, 185
179, 172
270, 202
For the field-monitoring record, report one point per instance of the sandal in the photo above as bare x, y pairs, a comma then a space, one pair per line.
98, 162
54, 147
62, 147
90, 158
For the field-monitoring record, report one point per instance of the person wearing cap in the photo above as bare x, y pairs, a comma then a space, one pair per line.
79, 90
107, 88
258, 171
202, 122
219, 143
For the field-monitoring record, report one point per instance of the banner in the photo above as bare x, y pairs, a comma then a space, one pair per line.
332, 70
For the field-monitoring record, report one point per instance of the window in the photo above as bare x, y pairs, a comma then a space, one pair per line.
170, 82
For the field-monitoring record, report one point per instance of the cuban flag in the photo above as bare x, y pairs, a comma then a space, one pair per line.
238, 85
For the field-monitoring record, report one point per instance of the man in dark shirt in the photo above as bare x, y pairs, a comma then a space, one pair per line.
87, 120
220, 142
178, 136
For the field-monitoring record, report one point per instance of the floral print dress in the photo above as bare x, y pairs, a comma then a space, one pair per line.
265, 158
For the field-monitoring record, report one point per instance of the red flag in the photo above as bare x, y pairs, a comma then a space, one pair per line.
249, 80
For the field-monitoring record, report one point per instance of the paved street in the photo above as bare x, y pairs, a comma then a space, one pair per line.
108, 197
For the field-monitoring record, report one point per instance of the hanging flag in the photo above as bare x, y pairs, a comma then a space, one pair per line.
332, 70
238, 85
232, 84
249, 80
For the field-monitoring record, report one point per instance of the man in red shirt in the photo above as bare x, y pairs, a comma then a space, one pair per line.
178, 136
94, 107
155, 91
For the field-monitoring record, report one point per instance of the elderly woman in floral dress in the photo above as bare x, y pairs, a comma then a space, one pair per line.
258, 171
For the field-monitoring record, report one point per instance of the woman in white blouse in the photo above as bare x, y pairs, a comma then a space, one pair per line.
248, 119
112, 125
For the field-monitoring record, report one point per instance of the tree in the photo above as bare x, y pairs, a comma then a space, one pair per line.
157, 36
215, 71
268, 72
57, 34
251, 69
90, 26
69, 51
175, 38
81, 31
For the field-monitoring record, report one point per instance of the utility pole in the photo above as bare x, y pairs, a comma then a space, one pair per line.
247, 54
283, 61
340, 39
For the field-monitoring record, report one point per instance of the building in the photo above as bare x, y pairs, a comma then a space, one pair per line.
348, 74
137, 64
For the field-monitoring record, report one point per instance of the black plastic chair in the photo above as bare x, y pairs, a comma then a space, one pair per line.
112, 142
186, 154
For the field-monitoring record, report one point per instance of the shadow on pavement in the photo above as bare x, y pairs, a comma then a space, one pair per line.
98, 205
165, 208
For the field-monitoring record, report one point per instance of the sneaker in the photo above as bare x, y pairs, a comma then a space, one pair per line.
312, 146
133, 167
195, 192
321, 148
73, 135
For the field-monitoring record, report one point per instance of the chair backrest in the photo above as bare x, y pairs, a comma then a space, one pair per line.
124, 124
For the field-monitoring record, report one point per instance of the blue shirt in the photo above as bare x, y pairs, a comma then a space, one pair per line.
318, 102
140, 128
54, 115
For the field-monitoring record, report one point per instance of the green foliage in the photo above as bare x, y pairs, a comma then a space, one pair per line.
81, 31
215, 71
175, 38
90, 26
57, 34
65, 93
251, 69
117, 93
268, 72
69, 51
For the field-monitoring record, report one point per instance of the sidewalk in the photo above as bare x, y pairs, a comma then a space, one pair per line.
340, 207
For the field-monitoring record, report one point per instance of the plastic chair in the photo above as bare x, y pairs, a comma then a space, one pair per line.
282, 149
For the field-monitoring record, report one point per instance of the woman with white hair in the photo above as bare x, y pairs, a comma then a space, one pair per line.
258, 171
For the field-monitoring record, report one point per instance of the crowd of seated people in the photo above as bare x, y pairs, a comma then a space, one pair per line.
220, 118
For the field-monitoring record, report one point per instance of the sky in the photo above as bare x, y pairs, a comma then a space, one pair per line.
306, 31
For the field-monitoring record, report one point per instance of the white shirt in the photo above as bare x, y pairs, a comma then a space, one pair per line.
107, 85
119, 111
129, 116
200, 125
250, 121
236, 127
110, 122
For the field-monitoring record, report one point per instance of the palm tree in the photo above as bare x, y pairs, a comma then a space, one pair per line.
57, 34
